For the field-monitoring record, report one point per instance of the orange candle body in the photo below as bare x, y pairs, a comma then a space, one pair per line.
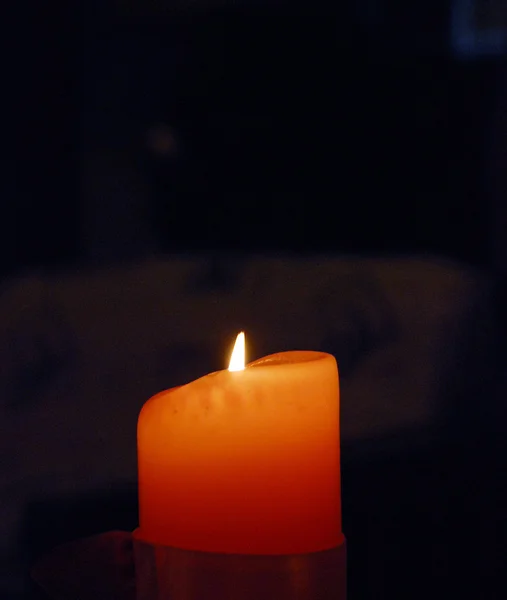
245, 462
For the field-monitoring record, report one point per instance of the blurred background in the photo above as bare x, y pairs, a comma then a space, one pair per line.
324, 175
160, 125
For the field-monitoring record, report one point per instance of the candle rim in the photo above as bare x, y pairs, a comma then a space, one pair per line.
271, 360
290, 357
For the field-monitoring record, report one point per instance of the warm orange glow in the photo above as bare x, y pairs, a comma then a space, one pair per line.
237, 362
245, 463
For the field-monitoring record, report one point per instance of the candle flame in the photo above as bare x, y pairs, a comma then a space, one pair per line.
237, 362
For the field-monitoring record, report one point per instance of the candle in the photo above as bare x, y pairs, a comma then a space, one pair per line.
245, 460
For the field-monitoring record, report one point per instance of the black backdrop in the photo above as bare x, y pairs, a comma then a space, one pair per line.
306, 131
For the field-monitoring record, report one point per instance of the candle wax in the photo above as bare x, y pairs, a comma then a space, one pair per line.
245, 462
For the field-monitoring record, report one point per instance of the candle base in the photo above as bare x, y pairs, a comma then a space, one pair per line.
164, 573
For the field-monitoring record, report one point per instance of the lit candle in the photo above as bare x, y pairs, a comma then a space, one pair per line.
244, 460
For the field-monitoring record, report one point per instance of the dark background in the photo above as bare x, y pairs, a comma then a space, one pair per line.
350, 129
135, 129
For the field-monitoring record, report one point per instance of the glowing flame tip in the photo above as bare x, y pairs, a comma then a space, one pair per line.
237, 362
